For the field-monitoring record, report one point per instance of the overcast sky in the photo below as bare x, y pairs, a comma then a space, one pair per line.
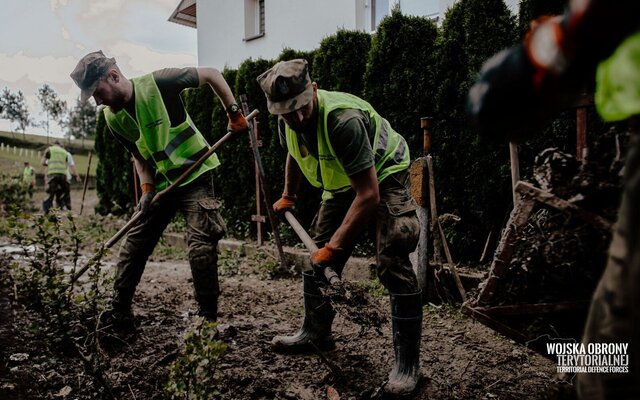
42, 40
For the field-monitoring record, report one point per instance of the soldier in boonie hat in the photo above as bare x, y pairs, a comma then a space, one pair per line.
146, 114
287, 86
343, 146
90, 69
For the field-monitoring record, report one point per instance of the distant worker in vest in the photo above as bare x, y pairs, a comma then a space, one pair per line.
147, 116
29, 178
56, 161
514, 93
340, 144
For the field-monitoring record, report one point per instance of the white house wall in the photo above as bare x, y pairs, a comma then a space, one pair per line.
296, 24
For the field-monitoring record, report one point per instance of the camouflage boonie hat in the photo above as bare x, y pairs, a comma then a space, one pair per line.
287, 86
88, 72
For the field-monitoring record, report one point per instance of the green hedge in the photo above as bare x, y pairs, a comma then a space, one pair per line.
400, 79
114, 181
472, 177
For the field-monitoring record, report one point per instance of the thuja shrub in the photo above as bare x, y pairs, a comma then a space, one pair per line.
472, 176
399, 79
193, 375
341, 61
114, 181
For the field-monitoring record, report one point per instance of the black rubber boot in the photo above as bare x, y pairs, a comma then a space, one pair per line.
208, 307
316, 328
119, 317
406, 316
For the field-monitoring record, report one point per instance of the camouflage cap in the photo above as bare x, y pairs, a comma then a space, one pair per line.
287, 86
88, 72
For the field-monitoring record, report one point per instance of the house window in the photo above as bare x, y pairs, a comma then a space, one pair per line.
379, 10
253, 19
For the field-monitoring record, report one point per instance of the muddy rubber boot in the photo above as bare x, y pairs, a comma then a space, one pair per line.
316, 327
406, 316
208, 307
118, 316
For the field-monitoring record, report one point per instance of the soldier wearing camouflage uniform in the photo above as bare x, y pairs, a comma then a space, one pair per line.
147, 116
519, 87
340, 144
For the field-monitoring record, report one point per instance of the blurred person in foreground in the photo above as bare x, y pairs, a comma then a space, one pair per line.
519, 88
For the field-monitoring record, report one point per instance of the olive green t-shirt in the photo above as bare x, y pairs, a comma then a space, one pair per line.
351, 133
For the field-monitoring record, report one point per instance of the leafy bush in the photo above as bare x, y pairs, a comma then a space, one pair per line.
193, 375
67, 317
13, 194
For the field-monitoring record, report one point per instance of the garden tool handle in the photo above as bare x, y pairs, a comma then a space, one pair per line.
135, 218
329, 273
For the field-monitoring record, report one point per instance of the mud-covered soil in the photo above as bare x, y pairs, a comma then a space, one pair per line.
460, 359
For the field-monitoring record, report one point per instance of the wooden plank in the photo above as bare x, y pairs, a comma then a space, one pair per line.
504, 251
533, 309
437, 255
553, 201
515, 170
497, 326
452, 266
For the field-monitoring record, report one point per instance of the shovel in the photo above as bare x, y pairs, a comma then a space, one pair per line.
329, 273
137, 216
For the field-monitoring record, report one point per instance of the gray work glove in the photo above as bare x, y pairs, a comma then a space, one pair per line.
144, 205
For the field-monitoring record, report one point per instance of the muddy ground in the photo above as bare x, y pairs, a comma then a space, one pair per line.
461, 359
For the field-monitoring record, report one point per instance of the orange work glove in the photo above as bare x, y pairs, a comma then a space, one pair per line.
237, 122
148, 193
285, 203
326, 256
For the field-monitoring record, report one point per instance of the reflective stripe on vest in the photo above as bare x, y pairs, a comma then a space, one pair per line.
618, 82
171, 149
391, 153
57, 164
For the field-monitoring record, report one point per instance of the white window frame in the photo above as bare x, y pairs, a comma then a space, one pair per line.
254, 19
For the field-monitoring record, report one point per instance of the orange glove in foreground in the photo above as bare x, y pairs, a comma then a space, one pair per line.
237, 123
286, 203
326, 256
148, 193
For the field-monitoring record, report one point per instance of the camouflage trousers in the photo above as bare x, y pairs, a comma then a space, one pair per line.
205, 227
396, 230
58, 187
614, 315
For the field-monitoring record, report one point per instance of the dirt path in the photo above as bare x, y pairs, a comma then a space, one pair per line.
460, 359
